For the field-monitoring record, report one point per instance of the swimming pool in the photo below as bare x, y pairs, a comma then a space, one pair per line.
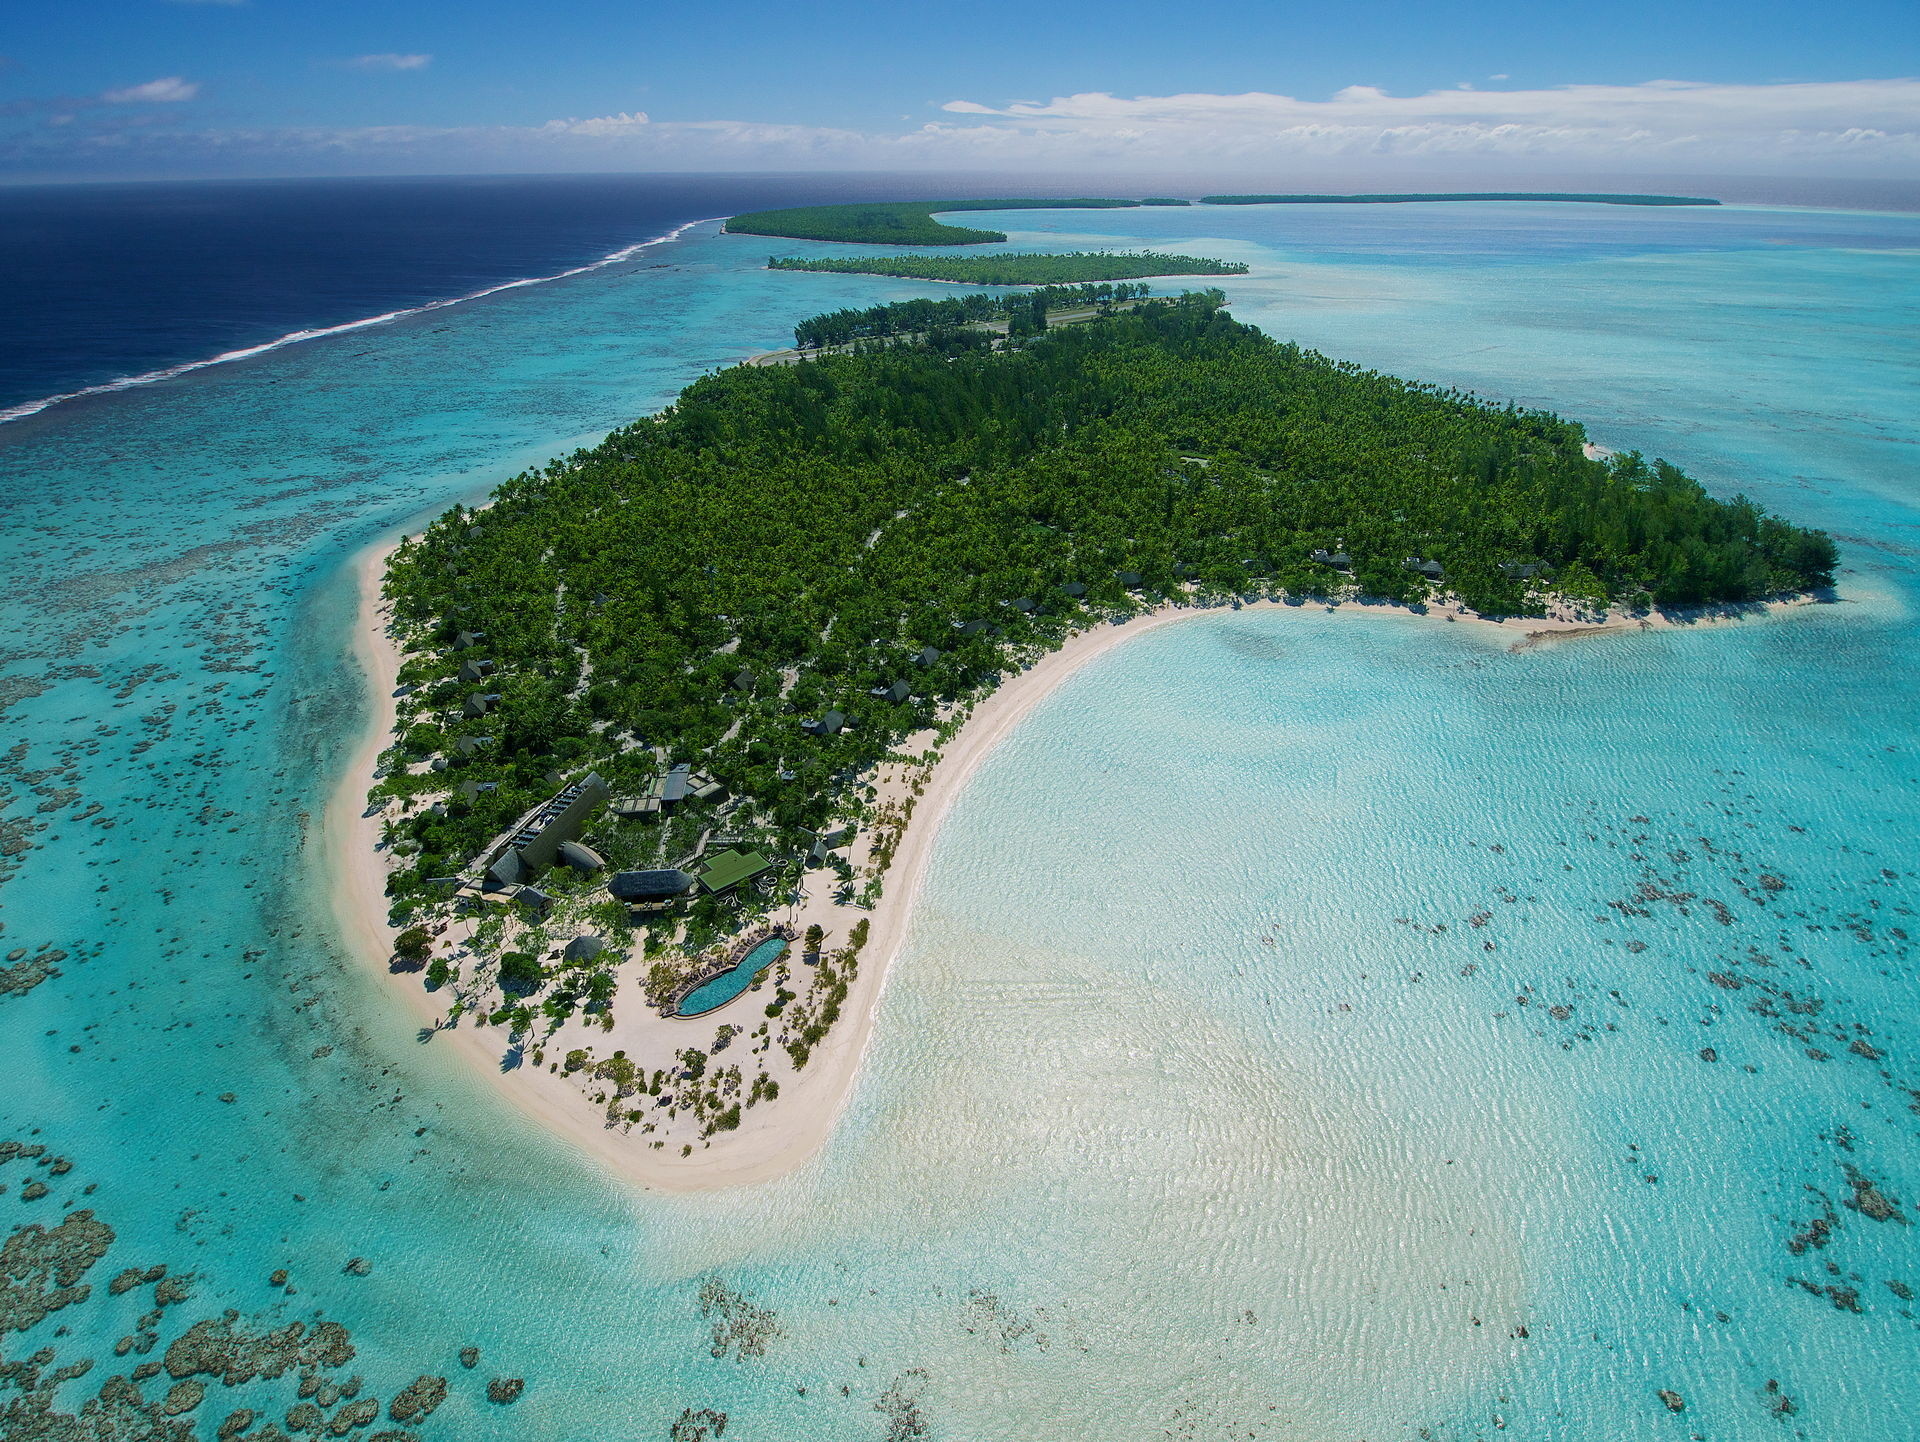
714, 994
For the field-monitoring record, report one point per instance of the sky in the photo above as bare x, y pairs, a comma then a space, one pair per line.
139, 88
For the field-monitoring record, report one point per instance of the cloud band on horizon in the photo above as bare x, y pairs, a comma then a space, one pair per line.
1857, 127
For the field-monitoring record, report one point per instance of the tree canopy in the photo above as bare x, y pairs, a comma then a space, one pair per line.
1406, 197
895, 222
1067, 268
787, 542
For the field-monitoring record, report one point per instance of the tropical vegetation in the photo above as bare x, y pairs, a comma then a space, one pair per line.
1410, 196
1067, 268
895, 222
740, 581
945, 324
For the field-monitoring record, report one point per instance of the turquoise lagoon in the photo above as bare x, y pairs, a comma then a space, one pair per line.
1312, 1026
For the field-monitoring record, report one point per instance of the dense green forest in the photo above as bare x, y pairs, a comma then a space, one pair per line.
1412, 196
895, 222
936, 321
787, 542
1069, 268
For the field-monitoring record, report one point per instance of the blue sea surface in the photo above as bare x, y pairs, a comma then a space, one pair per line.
108, 282
1312, 1025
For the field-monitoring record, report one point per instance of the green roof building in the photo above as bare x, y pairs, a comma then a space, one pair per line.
730, 868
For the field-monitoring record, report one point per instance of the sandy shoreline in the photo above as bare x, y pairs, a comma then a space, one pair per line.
779, 1136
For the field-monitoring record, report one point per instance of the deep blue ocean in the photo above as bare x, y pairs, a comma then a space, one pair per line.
1335, 1027
113, 281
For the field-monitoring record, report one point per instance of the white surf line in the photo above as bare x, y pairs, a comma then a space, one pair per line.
148, 378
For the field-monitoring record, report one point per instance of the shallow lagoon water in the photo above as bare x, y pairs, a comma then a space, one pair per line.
1202, 1101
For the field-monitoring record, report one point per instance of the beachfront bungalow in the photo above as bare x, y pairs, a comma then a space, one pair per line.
641, 887
831, 724
927, 655
1524, 570
1432, 570
478, 705
1023, 604
469, 790
732, 868
1131, 580
466, 640
971, 628
467, 745
583, 948
1339, 560
1072, 590
897, 692
475, 670
1253, 565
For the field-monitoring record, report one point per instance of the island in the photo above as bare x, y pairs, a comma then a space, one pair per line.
1412, 197
669, 722
895, 222
1067, 268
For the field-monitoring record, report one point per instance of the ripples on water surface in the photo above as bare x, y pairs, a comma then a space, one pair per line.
1315, 1027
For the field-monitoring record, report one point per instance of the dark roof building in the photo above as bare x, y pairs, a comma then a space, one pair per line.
584, 948
674, 785
506, 870
898, 691
1131, 580
831, 724
1339, 560
475, 670
658, 885
581, 858
467, 639
1432, 570
1073, 589
558, 821
928, 655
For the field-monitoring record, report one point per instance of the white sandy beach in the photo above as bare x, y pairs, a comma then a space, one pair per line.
777, 1136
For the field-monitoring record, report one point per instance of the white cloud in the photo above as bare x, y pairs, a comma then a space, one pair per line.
387, 60
620, 124
168, 88
1857, 128
1661, 120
